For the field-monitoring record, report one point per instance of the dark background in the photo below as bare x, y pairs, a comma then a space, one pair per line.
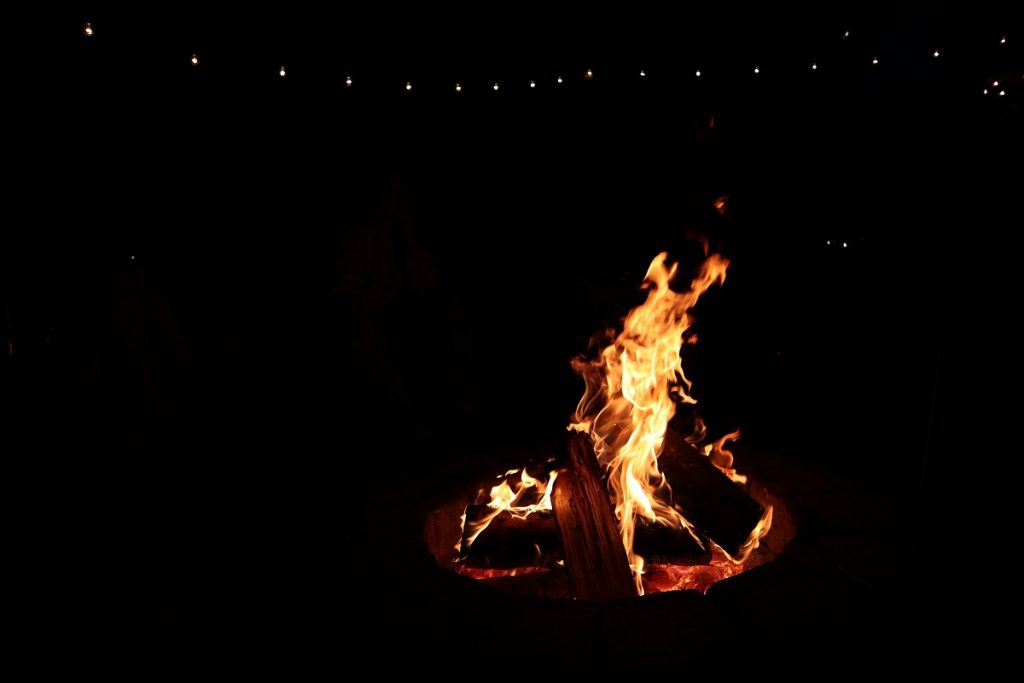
235, 302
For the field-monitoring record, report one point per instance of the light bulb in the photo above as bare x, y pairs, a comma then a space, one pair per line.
194, 60
88, 29
698, 73
590, 74
875, 60
559, 79
458, 87
283, 72
642, 73
844, 245
495, 87
935, 54
995, 84
756, 70
1002, 41
814, 67
348, 80
408, 86
1002, 92
846, 34
532, 84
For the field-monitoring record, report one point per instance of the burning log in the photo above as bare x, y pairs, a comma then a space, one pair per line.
716, 506
595, 558
511, 541
669, 545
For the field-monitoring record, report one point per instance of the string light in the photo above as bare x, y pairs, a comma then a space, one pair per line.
643, 74
995, 84
875, 60
458, 87
1002, 41
282, 72
88, 30
814, 66
132, 257
846, 34
828, 242
698, 73
985, 91
408, 86
935, 54
533, 84
756, 70
590, 75
348, 80
495, 87
844, 245
1002, 92
194, 60
559, 79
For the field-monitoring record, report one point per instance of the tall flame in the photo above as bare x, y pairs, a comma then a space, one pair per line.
632, 388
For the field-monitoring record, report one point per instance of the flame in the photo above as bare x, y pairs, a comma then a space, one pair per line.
632, 389
508, 497
722, 459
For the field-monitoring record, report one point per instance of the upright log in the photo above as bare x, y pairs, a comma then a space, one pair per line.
595, 558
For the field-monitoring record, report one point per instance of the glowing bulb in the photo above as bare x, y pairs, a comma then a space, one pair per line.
846, 34
495, 87
828, 242
348, 80
995, 84
642, 73
532, 84
935, 54
282, 72
590, 74
756, 70
132, 257
88, 29
814, 67
194, 60
1002, 92
1002, 41
985, 91
408, 86
698, 73
559, 79
844, 245
875, 60
458, 87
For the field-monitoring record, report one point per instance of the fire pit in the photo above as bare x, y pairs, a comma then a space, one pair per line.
710, 569
524, 556
632, 506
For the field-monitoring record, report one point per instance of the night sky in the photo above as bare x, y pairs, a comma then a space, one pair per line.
228, 294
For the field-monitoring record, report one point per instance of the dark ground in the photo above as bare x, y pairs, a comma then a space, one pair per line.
244, 314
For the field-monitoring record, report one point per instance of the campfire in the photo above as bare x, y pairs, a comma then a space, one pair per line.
641, 500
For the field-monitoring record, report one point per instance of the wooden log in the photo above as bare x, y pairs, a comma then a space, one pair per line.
668, 545
509, 541
595, 558
716, 506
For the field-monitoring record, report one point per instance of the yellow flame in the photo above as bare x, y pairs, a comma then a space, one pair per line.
632, 389
506, 497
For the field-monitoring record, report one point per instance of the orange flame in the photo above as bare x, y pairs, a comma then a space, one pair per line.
505, 498
632, 389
